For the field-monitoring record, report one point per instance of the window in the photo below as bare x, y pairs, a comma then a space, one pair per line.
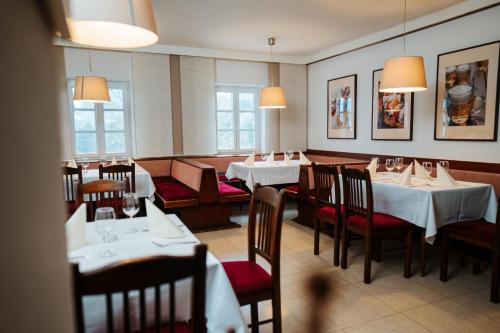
236, 119
101, 129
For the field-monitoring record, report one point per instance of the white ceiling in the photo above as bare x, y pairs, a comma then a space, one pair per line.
302, 27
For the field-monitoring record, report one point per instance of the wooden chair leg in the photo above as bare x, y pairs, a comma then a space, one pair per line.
443, 276
495, 276
368, 259
276, 313
336, 245
409, 248
423, 253
316, 236
254, 317
345, 237
476, 267
377, 249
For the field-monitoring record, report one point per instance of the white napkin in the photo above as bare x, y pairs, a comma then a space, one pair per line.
160, 225
72, 163
271, 156
76, 235
250, 160
113, 161
444, 179
287, 160
405, 177
420, 171
303, 159
372, 168
130, 161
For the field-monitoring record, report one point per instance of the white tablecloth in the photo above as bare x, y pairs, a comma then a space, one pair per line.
431, 207
222, 307
144, 186
265, 173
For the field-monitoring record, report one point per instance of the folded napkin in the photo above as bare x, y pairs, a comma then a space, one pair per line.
160, 225
405, 177
372, 168
271, 156
72, 163
250, 160
76, 235
113, 161
443, 178
303, 159
420, 171
130, 161
287, 160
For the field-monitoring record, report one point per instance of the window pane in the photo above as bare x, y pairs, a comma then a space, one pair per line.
225, 140
116, 99
247, 140
115, 142
84, 121
246, 102
225, 120
86, 143
224, 101
247, 120
113, 121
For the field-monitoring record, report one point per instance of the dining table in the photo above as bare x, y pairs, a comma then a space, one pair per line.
265, 172
222, 308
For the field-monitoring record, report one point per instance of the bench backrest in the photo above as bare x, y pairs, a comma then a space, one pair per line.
201, 178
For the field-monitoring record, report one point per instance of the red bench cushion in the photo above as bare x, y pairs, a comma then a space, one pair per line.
380, 221
480, 230
170, 190
328, 213
70, 207
247, 277
292, 188
179, 328
226, 190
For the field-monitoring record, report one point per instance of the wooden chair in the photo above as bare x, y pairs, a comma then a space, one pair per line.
328, 207
250, 281
360, 219
101, 193
70, 176
138, 275
480, 234
118, 172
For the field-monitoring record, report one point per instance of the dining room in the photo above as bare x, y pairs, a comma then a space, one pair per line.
250, 166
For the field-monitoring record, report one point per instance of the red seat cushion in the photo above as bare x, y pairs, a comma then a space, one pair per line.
223, 178
380, 221
247, 277
479, 230
227, 190
292, 188
179, 328
329, 213
170, 190
70, 207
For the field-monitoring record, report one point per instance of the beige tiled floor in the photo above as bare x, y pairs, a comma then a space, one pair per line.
390, 303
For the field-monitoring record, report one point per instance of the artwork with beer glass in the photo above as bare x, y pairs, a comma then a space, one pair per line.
342, 108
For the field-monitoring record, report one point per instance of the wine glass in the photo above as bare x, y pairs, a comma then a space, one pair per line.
428, 167
377, 160
130, 207
445, 165
389, 164
85, 164
264, 156
398, 163
103, 161
105, 223
289, 153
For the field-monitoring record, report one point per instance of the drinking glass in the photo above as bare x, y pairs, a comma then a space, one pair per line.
289, 153
398, 163
378, 161
445, 165
428, 167
264, 156
130, 207
105, 224
85, 164
389, 164
103, 161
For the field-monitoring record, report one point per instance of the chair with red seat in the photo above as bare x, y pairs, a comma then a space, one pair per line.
327, 203
70, 176
479, 234
251, 282
359, 218
139, 274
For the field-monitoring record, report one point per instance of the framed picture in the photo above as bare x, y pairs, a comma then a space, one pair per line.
341, 108
392, 113
467, 94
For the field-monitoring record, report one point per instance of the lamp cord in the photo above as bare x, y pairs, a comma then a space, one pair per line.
404, 30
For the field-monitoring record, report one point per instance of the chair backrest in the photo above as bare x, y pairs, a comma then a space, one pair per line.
118, 172
101, 193
358, 193
264, 225
138, 275
327, 185
70, 175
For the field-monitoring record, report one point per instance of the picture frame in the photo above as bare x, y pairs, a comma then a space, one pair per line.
341, 107
467, 94
392, 113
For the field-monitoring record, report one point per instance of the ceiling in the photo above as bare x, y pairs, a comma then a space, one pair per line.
302, 27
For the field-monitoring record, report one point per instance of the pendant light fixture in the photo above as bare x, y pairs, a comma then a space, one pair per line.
272, 97
91, 88
403, 74
112, 23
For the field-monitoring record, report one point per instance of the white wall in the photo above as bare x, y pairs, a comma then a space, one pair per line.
244, 73
468, 31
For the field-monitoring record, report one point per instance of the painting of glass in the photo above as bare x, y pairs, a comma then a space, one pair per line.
341, 105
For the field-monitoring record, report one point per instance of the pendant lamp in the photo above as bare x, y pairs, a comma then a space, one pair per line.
272, 97
91, 88
112, 23
405, 73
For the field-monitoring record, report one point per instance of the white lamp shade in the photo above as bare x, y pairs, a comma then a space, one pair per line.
112, 23
91, 89
403, 74
272, 98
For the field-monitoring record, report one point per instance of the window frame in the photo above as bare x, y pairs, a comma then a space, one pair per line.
236, 90
99, 122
